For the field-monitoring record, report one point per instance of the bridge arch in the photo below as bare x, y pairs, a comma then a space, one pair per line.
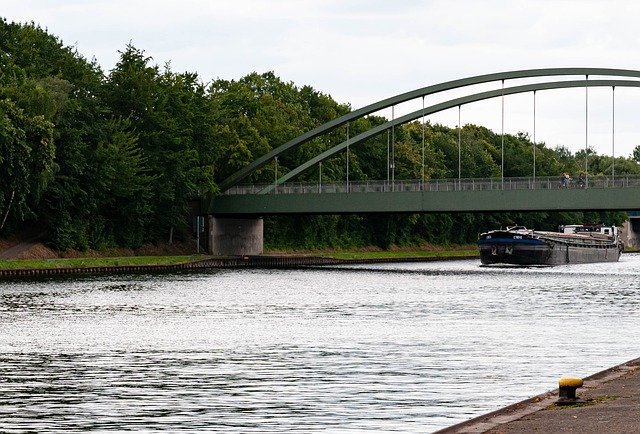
444, 106
430, 90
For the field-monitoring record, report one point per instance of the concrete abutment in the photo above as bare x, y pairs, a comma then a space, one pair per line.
631, 232
235, 236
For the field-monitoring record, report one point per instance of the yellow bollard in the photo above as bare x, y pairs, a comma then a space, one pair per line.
567, 390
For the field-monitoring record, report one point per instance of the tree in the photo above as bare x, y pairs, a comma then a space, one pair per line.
124, 197
169, 114
26, 161
636, 154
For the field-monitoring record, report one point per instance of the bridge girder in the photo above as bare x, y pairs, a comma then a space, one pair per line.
622, 199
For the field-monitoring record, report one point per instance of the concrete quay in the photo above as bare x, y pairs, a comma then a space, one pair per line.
608, 402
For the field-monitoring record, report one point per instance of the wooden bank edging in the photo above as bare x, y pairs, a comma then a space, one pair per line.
216, 263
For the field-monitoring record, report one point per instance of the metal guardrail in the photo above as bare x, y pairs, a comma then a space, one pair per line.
468, 184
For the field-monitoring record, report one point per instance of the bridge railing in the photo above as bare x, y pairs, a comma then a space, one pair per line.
473, 184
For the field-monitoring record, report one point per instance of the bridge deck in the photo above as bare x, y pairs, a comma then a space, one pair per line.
467, 195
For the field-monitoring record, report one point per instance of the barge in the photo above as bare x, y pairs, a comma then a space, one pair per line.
572, 244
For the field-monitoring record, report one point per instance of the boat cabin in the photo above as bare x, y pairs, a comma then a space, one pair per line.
577, 229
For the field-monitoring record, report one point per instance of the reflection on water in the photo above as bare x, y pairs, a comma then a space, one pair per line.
402, 347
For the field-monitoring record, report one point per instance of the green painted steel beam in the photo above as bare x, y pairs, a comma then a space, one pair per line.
444, 106
407, 96
621, 199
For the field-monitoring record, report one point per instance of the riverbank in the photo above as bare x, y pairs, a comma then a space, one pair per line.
28, 258
102, 263
609, 403
155, 264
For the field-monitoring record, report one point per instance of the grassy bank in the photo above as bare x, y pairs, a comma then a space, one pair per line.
403, 254
118, 261
394, 252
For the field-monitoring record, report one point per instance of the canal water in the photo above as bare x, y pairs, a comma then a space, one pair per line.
378, 348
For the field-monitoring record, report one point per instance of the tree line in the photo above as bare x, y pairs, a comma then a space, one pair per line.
117, 158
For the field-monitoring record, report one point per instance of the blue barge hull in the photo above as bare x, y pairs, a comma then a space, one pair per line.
520, 246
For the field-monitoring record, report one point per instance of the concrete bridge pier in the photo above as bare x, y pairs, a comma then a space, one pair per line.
235, 236
631, 232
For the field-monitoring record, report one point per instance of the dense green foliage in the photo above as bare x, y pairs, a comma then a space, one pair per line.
116, 159
98, 160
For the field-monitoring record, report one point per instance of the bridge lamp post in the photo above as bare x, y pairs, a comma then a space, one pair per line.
422, 172
459, 150
393, 149
388, 154
534, 138
320, 177
347, 157
275, 175
586, 131
502, 139
613, 135
393, 167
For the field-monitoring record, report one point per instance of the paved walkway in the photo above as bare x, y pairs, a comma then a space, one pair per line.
612, 406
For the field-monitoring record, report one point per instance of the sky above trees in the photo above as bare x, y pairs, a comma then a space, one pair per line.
361, 51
